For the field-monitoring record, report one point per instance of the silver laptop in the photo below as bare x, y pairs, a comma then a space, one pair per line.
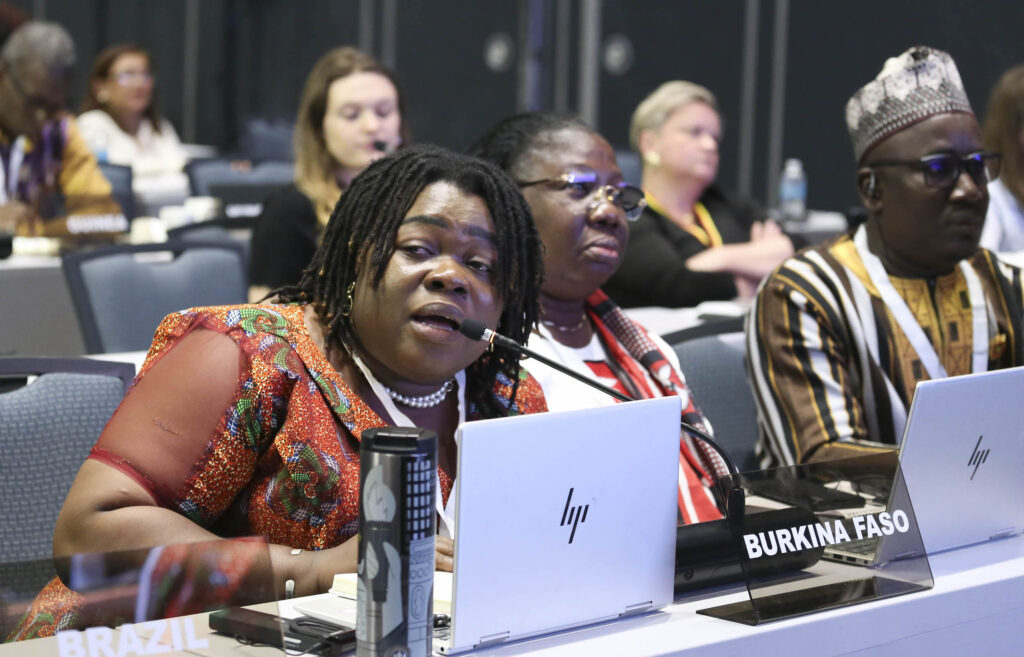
962, 456
563, 519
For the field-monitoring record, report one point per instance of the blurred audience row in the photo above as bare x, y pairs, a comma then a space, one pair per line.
694, 241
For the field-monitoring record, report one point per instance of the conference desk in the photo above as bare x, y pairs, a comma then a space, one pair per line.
976, 606
39, 318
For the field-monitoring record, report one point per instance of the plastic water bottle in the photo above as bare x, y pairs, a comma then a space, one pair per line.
98, 143
793, 191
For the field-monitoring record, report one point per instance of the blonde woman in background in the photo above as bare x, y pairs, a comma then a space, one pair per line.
350, 114
694, 241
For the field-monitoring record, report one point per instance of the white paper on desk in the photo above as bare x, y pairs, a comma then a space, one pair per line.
345, 586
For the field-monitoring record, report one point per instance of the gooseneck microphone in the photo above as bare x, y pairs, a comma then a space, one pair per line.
707, 553
477, 330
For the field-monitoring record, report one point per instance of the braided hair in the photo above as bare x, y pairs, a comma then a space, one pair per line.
508, 141
360, 239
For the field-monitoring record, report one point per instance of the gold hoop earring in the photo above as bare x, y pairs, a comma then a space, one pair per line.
652, 159
346, 305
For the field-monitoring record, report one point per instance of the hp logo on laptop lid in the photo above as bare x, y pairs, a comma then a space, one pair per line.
573, 515
977, 457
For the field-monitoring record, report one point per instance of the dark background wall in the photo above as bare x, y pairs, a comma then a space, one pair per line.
782, 69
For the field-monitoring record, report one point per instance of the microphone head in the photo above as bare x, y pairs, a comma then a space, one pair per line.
380, 145
473, 329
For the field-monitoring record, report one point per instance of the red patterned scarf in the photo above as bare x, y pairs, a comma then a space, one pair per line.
696, 459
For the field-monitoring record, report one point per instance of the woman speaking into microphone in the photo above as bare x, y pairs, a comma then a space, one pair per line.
350, 114
248, 419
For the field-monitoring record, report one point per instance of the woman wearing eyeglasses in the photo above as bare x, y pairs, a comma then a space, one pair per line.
122, 125
583, 211
694, 242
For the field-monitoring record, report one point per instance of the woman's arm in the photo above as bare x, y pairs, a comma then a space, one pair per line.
653, 272
768, 247
162, 428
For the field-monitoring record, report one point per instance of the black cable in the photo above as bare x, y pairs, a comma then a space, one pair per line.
476, 330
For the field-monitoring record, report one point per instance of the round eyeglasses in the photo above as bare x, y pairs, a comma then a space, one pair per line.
584, 184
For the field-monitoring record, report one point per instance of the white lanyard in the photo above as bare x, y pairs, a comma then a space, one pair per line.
908, 323
9, 181
447, 528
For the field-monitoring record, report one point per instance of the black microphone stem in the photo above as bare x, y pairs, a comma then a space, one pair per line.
476, 330
579, 377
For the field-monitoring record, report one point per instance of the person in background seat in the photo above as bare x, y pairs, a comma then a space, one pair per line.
582, 208
1003, 131
350, 114
50, 183
694, 241
840, 334
122, 125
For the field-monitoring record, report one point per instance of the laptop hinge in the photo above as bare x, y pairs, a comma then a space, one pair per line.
639, 608
492, 639
1003, 533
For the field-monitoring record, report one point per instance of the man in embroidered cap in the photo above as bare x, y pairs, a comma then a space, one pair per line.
841, 333
46, 169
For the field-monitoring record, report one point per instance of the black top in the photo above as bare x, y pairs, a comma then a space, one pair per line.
284, 239
653, 271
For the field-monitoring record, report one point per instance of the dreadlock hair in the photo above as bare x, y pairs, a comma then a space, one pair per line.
360, 237
507, 141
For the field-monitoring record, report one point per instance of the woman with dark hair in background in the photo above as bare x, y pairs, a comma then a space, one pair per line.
1003, 132
694, 242
350, 114
247, 419
581, 206
122, 125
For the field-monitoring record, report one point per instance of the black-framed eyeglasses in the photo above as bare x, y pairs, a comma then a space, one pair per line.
943, 170
584, 184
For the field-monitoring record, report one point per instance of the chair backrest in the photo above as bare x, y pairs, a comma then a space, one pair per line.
715, 372
223, 172
47, 429
121, 294
267, 139
120, 179
211, 232
630, 165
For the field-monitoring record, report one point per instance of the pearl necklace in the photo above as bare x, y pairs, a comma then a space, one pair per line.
565, 329
424, 401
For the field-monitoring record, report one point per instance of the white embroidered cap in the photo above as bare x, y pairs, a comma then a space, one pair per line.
920, 83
